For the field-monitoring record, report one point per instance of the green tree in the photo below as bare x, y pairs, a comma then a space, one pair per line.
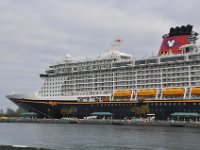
64, 112
144, 109
135, 110
68, 112
13, 113
10, 112
19, 111
140, 110
1, 112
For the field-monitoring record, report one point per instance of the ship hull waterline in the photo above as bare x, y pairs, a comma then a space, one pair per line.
161, 108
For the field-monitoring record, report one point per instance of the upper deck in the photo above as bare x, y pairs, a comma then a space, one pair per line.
114, 71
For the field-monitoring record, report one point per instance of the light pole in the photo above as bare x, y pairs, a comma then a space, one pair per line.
86, 109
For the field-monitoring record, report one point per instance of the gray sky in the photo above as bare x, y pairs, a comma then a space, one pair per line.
37, 33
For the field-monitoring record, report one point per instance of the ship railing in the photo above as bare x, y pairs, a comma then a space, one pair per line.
86, 93
143, 98
173, 98
195, 97
195, 47
121, 99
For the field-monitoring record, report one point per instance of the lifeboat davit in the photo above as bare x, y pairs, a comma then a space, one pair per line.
123, 93
173, 91
147, 93
195, 91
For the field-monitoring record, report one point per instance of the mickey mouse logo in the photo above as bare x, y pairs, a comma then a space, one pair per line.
171, 43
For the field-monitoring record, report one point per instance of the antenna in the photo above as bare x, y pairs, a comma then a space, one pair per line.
116, 44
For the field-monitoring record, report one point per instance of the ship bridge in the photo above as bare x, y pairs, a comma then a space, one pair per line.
114, 52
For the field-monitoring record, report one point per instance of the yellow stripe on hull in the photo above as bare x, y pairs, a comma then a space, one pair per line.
53, 103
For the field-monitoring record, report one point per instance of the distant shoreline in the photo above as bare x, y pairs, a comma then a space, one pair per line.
20, 147
106, 122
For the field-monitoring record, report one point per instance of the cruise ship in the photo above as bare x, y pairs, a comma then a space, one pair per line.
115, 82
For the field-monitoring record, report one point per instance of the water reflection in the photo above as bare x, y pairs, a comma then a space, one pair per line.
91, 137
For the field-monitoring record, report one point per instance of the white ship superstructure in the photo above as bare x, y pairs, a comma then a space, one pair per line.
90, 77
115, 71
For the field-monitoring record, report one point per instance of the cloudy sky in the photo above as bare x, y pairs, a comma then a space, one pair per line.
38, 33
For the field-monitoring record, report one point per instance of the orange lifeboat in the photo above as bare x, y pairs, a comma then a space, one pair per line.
173, 91
147, 93
195, 91
123, 93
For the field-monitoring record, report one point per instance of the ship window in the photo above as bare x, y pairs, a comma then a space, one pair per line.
139, 62
172, 59
194, 104
152, 61
174, 104
184, 104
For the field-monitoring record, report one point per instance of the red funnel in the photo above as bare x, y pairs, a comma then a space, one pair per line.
171, 45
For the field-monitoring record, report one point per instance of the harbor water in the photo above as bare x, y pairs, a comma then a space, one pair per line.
94, 137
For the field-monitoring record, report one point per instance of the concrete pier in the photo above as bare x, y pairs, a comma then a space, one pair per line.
134, 122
